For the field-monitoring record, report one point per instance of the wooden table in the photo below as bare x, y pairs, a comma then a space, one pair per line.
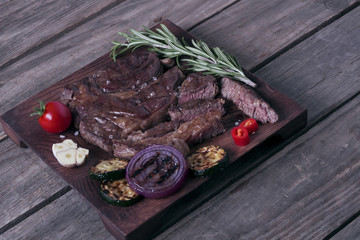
307, 187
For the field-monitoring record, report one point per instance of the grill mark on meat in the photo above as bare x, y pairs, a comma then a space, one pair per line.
197, 86
157, 131
129, 74
193, 108
202, 127
248, 101
146, 109
189, 133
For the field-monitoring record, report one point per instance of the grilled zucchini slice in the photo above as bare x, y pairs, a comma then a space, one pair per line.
118, 193
208, 160
109, 170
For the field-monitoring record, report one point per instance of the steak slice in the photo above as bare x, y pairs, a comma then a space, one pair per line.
102, 117
99, 132
197, 86
193, 108
158, 131
125, 149
202, 127
189, 133
158, 97
130, 73
248, 101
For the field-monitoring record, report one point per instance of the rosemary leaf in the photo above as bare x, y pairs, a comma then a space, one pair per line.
200, 57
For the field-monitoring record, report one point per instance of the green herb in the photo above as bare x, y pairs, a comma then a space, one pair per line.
40, 110
200, 57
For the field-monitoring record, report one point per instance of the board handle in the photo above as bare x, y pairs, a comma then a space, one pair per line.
8, 131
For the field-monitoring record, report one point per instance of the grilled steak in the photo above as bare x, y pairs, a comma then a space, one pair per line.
199, 129
129, 74
202, 127
102, 116
193, 108
158, 131
197, 86
126, 149
248, 101
99, 132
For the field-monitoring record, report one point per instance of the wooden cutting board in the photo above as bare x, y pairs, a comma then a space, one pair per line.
150, 217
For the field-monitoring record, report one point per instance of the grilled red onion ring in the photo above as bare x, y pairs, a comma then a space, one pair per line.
157, 171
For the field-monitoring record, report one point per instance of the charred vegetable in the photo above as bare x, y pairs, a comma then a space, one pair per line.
118, 193
157, 171
109, 170
208, 160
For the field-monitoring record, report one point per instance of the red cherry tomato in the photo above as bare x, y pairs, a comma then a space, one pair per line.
250, 124
54, 117
240, 136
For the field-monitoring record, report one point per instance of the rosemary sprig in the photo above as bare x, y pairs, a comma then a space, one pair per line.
200, 57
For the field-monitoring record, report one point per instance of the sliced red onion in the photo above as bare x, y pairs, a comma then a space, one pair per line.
157, 171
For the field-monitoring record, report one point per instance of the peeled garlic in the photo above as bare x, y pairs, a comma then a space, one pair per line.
68, 154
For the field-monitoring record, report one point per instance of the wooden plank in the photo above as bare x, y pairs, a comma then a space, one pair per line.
69, 217
27, 74
255, 30
27, 25
311, 187
303, 192
351, 231
321, 72
25, 181
87, 42
149, 215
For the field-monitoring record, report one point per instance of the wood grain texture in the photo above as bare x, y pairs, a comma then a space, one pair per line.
26, 24
249, 33
75, 49
304, 192
25, 181
323, 71
149, 215
69, 217
351, 231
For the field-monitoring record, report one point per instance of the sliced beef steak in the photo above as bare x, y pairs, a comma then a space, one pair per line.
158, 131
197, 86
102, 116
248, 101
130, 73
126, 149
193, 108
99, 132
189, 133
202, 127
